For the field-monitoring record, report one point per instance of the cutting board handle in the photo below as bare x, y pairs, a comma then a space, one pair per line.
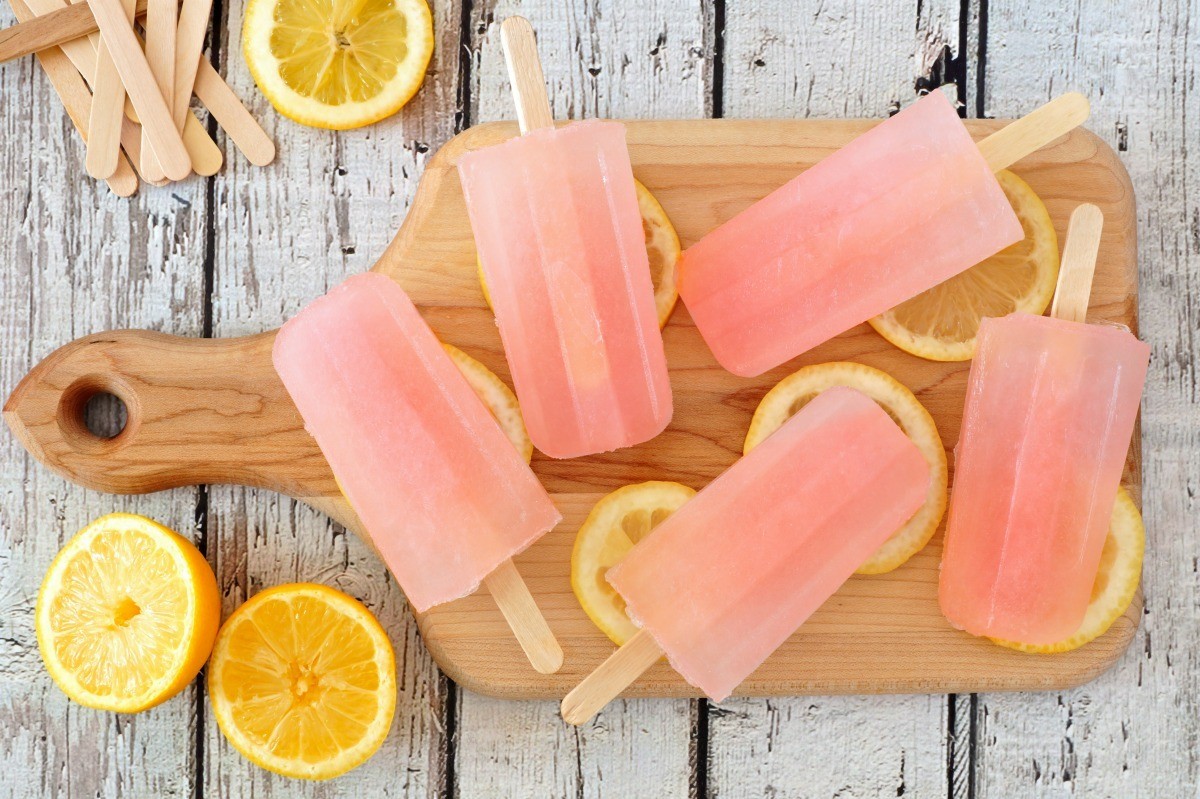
199, 411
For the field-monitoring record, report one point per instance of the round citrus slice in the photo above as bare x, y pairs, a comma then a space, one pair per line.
1116, 581
662, 247
616, 523
795, 391
127, 614
340, 64
303, 681
498, 398
941, 324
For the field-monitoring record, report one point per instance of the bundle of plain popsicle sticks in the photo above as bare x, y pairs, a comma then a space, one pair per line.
129, 93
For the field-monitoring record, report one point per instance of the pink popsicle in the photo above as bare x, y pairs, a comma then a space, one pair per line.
1050, 410
439, 488
726, 579
898, 210
559, 234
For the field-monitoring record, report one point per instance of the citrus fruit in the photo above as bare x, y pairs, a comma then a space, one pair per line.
338, 63
1116, 581
617, 522
127, 614
498, 398
941, 324
662, 247
303, 681
794, 392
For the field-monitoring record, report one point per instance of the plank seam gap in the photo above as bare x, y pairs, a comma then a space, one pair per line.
718, 59
698, 754
981, 61
462, 121
208, 289
462, 115
450, 786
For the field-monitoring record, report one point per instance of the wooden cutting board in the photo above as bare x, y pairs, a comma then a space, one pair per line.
213, 411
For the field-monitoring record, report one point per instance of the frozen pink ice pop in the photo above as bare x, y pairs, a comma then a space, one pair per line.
442, 493
559, 234
724, 581
1050, 409
903, 207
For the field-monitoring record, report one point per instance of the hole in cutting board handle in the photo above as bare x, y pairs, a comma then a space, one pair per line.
98, 413
105, 415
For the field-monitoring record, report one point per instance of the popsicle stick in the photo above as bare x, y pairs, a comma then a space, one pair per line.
43, 31
247, 135
161, 22
77, 100
1035, 130
611, 678
189, 46
205, 154
525, 72
525, 618
1078, 264
108, 92
135, 73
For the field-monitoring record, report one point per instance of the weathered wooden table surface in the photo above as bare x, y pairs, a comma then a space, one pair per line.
244, 250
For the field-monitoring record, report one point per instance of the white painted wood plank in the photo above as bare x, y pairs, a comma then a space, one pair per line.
830, 59
79, 260
601, 59
634, 749
325, 209
1131, 733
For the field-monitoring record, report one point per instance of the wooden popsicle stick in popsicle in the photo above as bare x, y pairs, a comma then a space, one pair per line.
1034, 130
507, 587
161, 22
1078, 264
610, 678
525, 73
189, 47
108, 93
247, 135
43, 31
139, 82
521, 612
77, 100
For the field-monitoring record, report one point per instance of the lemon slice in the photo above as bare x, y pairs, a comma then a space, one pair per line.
340, 64
303, 681
1116, 581
662, 247
498, 398
616, 523
127, 614
794, 392
941, 324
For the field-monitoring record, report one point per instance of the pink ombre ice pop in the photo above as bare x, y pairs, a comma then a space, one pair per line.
1050, 410
726, 579
559, 234
440, 489
903, 207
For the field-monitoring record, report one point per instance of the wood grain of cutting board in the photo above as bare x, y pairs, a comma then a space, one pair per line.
213, 411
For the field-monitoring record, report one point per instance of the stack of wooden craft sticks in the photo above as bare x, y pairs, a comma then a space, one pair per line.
129, 96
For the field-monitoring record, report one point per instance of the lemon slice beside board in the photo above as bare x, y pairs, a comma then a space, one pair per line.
126, 614
303, 681
340, 64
